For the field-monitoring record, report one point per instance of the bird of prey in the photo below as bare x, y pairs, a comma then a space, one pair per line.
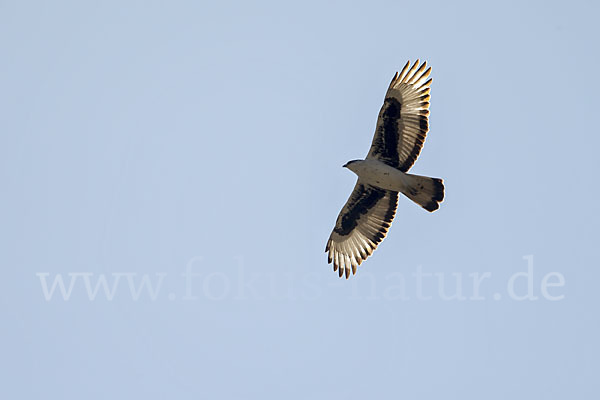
399, 136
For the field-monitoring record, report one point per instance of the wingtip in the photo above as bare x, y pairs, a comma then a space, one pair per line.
394, 79
403, 71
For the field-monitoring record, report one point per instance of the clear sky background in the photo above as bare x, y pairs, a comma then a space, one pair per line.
197, 147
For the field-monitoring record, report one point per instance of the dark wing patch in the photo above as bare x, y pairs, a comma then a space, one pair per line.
360, 227
385, 142
362, 199
403, 120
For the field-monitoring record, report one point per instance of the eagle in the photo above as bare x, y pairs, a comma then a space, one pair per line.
402, 125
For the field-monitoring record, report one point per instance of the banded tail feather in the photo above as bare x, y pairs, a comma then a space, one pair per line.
425, 191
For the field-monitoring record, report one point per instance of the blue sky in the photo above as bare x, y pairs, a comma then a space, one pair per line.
188, 155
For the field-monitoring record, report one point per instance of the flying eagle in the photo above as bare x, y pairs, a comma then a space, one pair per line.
399, 136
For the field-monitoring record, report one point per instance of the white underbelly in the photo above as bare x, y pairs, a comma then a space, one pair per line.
381, 175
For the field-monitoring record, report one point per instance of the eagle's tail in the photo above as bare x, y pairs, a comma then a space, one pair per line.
426, 192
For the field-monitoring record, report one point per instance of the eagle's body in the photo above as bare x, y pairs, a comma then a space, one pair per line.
401, 129
378, 174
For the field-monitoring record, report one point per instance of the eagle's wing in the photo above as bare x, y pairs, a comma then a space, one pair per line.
403, 120
360, 227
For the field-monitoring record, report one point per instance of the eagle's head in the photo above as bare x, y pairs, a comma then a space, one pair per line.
352, 165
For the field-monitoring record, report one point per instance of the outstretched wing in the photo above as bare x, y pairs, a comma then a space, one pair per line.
360, 227
403, 120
